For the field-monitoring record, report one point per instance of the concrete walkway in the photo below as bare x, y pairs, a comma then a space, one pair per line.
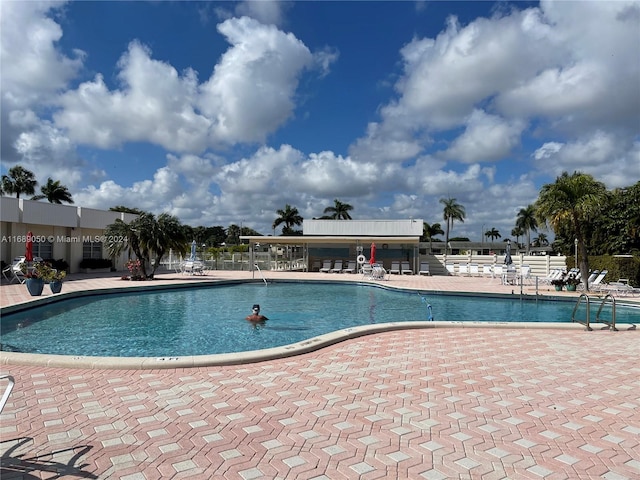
486, 403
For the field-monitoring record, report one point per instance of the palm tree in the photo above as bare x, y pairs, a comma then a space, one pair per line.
570, 203
541, 240
339, 211
19, 180
527, 221
290, 217
517, 232
492, 234
54, 192
452, 211
430, 231
146, 237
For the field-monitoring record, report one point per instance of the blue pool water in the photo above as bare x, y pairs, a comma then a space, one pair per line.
211, 320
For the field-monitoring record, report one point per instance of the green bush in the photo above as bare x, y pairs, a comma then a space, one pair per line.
617, 267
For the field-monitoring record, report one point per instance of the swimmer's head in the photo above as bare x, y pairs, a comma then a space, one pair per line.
256, 308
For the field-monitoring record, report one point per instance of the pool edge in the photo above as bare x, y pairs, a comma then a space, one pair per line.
255, 356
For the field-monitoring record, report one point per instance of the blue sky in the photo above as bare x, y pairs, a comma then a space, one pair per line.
223, 112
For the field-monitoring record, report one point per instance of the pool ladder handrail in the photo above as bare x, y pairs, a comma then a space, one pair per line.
575, 309
260, 272
610, 325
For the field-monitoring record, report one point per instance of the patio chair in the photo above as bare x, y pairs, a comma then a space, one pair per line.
509, 277
463, 269
367, 270
350, 268
378, 272
13, 272
487, 271
316, 266
498, 271
337, 267
395, 268
473, 270
326, 266
525, 274
424, 269
406, 269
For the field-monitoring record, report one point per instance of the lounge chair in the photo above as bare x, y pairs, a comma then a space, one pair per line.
473, 270
451, 269
326, 266
509, 277
395, 268
487, 271
315, 267
424, 269
350, 268
463, 269
367, 270
378, 272
337, 267
193, 267
554, 274
406, 269
13, 272
498, 271
525, 273
592, 276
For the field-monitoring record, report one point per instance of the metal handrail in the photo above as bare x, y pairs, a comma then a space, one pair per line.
575, 308
611, 325
260, 272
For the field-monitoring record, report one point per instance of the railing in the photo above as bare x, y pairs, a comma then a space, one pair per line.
612, 324
575, 309
260, 272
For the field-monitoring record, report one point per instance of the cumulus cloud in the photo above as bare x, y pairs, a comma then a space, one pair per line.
486, 138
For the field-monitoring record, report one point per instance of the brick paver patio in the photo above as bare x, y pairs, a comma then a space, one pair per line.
485, 403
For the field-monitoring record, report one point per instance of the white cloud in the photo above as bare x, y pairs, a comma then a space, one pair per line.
485, 139
265, 11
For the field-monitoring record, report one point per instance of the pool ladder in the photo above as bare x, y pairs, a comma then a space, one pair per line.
609, 325
260, 272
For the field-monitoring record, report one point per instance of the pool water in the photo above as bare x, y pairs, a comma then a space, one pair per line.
211, 320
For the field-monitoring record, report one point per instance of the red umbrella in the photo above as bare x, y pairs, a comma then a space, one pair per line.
28, 254
372, 260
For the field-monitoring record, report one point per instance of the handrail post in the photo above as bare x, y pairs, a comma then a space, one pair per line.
575, 308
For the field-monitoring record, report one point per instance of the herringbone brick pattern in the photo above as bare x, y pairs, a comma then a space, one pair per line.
424, 404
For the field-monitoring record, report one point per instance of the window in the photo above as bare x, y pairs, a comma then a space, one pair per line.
43, 250
92, 250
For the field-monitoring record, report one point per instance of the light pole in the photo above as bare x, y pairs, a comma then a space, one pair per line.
575, 242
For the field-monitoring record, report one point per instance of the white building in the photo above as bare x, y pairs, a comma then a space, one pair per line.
66, 232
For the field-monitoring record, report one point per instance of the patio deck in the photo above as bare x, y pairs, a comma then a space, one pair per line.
488, 403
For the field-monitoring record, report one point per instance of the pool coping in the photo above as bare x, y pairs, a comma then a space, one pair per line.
240, 358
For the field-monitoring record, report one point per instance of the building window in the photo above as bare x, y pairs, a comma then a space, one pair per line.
43, 250
92, 250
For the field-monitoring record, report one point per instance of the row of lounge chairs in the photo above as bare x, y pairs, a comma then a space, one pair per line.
329, 266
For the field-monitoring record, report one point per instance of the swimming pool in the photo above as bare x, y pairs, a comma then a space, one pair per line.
210, 320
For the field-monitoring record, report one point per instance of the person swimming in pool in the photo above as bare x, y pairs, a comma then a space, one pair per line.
255, 316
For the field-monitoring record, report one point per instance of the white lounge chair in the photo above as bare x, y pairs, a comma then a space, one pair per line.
337, 267
525, 273
509, 276
473, 270
451, 268
406, 269
326, 266
395, 268
367, 270
424, 269
498, 271
463, 269
487, 271
350, 268
378, 272
13, 272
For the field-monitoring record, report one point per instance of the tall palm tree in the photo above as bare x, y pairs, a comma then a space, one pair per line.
430, 231
290, 217
19, 180
167, 233
452, 211
527, 221
54, 192
492, 234
517, 232
570, 203
339, 211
